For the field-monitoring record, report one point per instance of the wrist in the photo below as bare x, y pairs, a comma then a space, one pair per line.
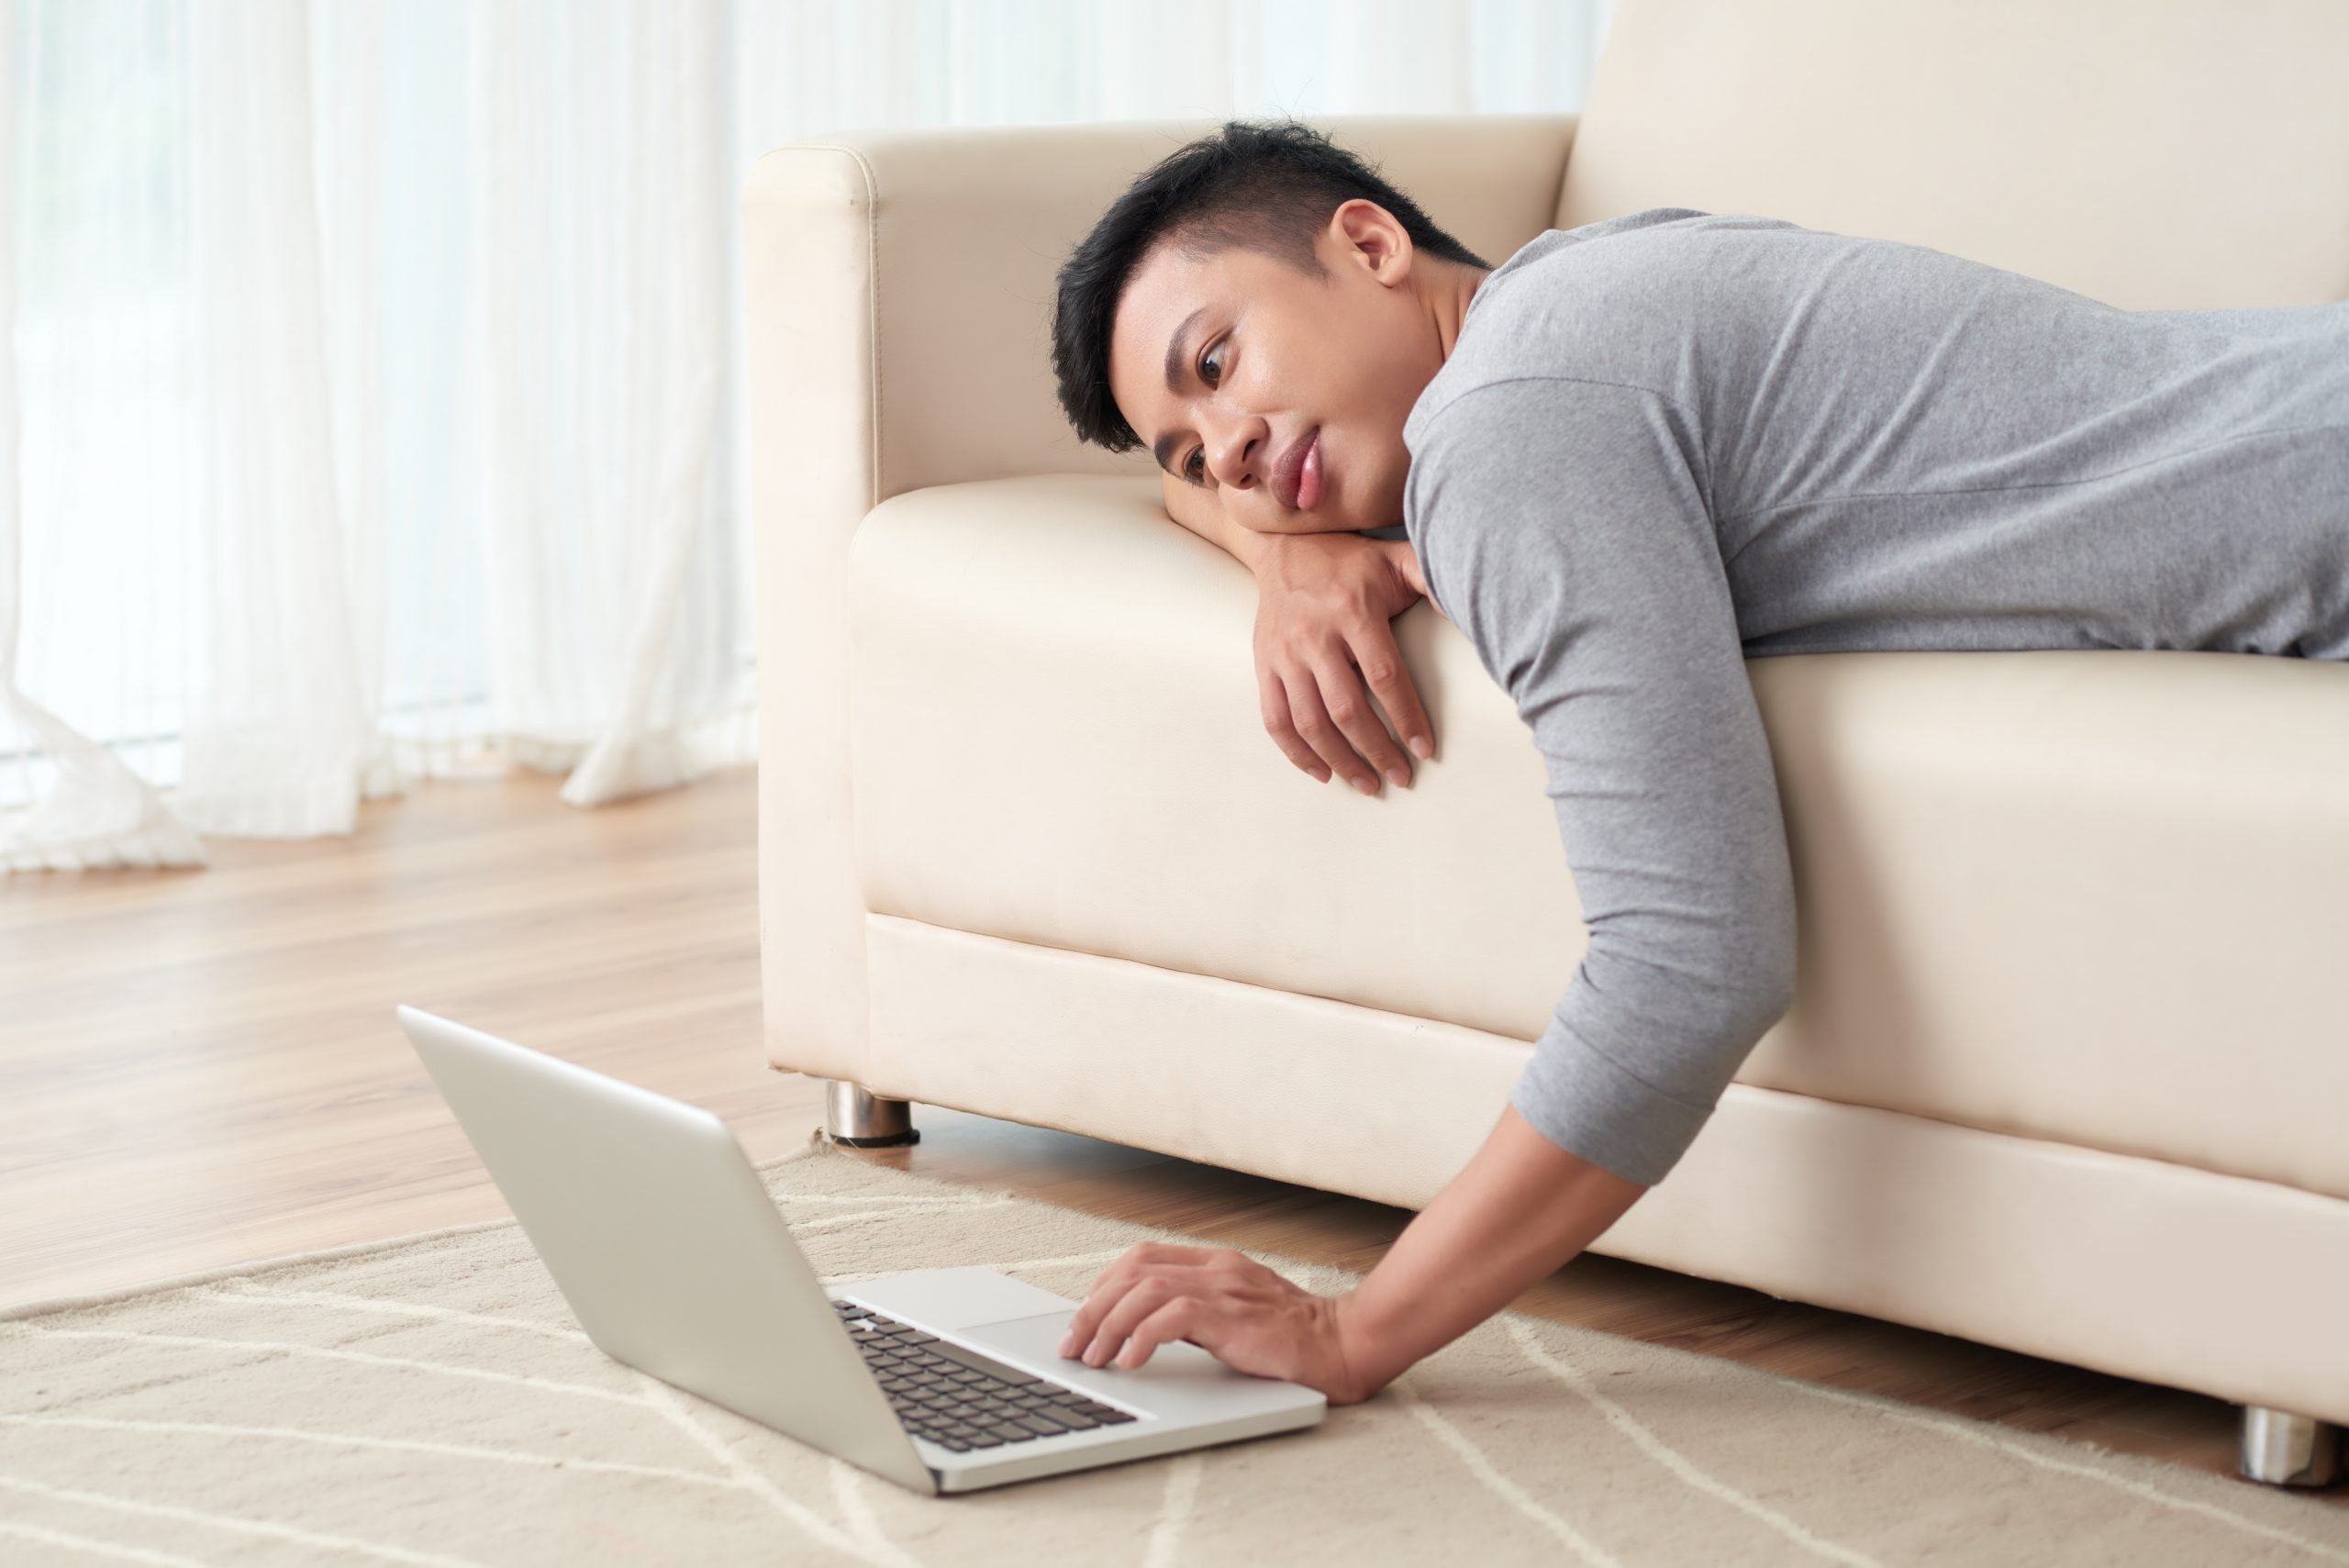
1364, 1357
1246, 545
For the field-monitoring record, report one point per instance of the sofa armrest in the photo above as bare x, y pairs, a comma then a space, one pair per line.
898, 291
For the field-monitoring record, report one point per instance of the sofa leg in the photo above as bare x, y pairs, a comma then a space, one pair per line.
855, 1116
2285, 1449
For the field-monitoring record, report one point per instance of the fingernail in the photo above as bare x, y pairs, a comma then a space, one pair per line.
1422, 747
1321, 776
1367, 785
1068, 1343
1398, 778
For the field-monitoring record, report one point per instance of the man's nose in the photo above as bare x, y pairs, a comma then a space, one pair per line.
1241, 455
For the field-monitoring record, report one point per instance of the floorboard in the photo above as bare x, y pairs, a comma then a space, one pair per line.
217, 1076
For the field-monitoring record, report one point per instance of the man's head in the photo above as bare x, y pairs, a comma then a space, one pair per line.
1290, 293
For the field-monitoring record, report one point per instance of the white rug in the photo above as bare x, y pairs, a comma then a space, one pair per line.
429, 1401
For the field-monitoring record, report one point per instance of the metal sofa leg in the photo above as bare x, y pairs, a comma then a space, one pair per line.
2285, 1449
855, 1116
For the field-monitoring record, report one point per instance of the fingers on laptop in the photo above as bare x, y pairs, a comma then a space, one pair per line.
1146, 1268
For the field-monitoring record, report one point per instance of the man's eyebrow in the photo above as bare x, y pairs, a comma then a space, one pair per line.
1164, 447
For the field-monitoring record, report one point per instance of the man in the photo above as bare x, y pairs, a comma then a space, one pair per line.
1633, 455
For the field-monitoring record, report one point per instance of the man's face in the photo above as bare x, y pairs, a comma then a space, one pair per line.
1274, 358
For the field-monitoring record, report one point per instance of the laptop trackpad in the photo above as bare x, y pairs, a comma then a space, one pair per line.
1179, 1379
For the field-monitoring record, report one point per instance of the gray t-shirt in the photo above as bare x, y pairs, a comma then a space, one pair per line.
1673, 440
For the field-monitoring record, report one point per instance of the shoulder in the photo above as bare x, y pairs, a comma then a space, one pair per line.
1540, 478
1620, 301
1629, 243
1523, 431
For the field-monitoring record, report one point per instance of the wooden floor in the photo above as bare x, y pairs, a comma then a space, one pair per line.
202, 1067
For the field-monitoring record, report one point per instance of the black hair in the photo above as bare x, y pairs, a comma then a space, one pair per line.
1266, 186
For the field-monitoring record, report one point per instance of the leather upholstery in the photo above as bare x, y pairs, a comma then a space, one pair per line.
2080, 896
2067, 1034
2137, 1267
2154, 154
896, 290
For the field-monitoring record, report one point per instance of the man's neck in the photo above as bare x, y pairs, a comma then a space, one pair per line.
1452, 294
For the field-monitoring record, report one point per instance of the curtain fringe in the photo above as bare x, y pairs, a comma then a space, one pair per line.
32, 838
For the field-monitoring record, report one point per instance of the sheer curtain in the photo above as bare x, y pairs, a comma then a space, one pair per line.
372, 407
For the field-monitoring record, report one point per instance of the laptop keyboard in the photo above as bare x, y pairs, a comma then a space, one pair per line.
960, 1400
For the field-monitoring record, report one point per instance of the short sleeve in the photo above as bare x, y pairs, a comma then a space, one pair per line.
1563, 527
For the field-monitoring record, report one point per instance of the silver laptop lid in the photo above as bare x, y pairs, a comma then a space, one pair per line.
665, 1243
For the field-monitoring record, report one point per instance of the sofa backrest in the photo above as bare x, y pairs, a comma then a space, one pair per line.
926, 257
2154, 154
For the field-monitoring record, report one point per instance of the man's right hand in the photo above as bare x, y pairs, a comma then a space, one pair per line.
1324, 601
1324, 605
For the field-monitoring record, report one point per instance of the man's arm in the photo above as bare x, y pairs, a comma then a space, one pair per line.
1567, 525
1324, 628
1197, 508
1520, 1210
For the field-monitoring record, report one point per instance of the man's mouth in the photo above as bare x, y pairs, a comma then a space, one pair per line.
1308, 476
1286, 479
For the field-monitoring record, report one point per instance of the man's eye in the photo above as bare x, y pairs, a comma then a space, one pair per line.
1189, 471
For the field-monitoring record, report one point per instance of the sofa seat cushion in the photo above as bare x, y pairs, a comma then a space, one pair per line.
2092, 896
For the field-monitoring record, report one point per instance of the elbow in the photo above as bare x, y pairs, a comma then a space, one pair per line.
1767, 975
1714, 1000
1753, 986
1704, 993
1749, 1004
1739, 1008
1770, 998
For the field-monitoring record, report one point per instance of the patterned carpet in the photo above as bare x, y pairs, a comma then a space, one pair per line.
430, 1401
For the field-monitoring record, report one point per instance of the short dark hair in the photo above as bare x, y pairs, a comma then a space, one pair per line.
1268, 186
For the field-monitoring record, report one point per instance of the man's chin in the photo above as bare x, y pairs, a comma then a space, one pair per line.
1314, 523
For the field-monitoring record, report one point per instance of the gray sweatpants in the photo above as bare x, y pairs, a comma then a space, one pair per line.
1673, 440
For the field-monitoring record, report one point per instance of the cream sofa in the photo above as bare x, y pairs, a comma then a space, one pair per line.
2068, 1060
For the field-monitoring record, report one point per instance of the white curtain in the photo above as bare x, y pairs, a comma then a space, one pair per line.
372, 402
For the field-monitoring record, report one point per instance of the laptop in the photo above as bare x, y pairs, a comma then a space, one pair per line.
673, 1255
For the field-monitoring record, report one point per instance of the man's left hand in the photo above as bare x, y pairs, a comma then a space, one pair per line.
1223, 1301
